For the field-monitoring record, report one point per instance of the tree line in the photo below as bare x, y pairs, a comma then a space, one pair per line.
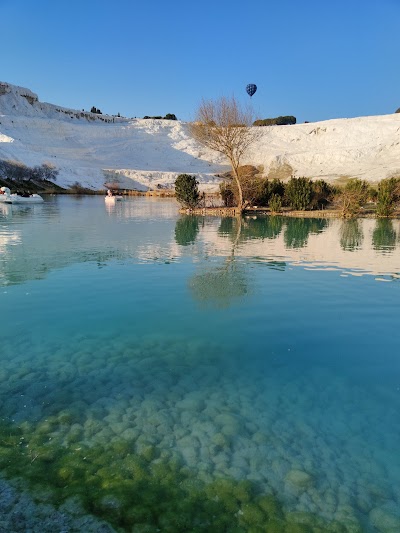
19, 173
300, 194
278, 121
168, 116
223, 126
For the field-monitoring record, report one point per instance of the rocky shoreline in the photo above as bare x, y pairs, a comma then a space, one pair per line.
254, 211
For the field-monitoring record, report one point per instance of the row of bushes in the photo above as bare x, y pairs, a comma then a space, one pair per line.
18, 172
168, 116
278, 121
299, 193
305, 194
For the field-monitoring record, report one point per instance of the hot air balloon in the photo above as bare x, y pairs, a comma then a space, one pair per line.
251, 89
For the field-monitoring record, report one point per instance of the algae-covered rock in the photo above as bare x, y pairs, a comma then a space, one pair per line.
75, 433
298, 479
111, 506
221, 440
386, 519
243, 490
271, 507
275, 526
345, 514
121, 447
299, 528
259, 438
192, 403
66, 473
149, 453
251, 514
335, 527
92, 427
73, 506
65, 417
306, 519
229, 422
189, 455
45, 427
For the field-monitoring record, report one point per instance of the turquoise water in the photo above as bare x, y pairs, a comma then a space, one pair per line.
265, 351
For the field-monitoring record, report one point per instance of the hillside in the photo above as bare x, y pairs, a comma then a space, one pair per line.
146, 153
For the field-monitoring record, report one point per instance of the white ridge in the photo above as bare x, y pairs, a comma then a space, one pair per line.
148, 153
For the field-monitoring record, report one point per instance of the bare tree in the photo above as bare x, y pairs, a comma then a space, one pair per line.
352, 197
225, 127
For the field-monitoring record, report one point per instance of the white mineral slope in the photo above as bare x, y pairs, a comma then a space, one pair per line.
364, 147
147, 153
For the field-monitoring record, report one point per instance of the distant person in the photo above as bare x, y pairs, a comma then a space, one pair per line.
109, 192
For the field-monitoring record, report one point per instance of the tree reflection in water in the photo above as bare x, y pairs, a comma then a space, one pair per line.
384, 235
186, 230
299, 229
227, 282
262, 227
351, 235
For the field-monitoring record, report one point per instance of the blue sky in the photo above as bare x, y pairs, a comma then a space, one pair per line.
312, 59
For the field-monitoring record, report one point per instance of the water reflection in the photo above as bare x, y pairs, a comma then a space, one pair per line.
64, 231
262, 228
222, 285
5, 211
384, 236
351, 235
186, 230
314, 243
299, 229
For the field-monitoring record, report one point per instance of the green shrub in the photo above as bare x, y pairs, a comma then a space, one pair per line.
322, 194
187, 191
278, 121
388, 197
352, 197
298, 193
168, 116
269, 189
275, 203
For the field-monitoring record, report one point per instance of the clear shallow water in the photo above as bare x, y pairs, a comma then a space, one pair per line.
264, 351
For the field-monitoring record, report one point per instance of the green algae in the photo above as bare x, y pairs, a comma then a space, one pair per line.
145, 492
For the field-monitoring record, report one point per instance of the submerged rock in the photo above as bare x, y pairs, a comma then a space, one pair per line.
298, 479
386, 519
